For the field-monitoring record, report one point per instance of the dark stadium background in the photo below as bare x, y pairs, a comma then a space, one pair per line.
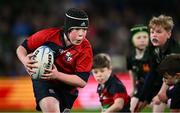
110, 21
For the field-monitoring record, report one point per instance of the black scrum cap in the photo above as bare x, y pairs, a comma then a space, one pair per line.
138, 28
75, 18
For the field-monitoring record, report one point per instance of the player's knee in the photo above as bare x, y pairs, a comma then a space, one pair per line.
49, 104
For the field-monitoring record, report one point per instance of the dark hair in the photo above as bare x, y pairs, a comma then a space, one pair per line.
170, 65
101, 60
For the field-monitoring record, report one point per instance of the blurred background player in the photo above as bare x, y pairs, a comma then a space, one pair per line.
112, 93
138, 61
170, 69
56, 90
160, 36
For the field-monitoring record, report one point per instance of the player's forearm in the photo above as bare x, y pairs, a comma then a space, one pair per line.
163, 89
147, 88
133, 80
21, 53
117, 106
162, 92
72, 80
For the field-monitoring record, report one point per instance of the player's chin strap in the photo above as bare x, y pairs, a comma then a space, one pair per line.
66, 37
66, 34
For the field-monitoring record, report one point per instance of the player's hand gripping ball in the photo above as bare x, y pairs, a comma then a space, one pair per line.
45, 59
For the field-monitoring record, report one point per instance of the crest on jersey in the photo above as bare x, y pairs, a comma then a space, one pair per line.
146, 68
68, 56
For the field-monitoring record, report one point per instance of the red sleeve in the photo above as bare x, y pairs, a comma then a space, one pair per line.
39, 38
84, 63
121, 95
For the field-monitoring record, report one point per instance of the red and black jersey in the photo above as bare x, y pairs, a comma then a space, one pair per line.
113, 89
74, 59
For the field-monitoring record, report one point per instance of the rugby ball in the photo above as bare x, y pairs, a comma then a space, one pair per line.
45, 59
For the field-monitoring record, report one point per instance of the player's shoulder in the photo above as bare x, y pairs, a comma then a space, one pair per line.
114, 79
86, 44
116, 84
49, 30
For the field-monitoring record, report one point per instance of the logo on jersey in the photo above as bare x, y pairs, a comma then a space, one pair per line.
68, 56
66, 110
135, 68
146, 68
51, 91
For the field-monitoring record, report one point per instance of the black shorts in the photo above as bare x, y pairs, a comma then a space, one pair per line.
139, 88
154, 91
174, 95
65, 95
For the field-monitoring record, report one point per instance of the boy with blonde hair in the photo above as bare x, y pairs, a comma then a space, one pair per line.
160, 36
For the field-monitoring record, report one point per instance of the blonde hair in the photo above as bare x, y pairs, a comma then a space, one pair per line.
164, 21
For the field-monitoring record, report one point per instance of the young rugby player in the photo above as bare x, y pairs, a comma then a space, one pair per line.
160, 36
170, 69
112, 93
56, 91
138, 61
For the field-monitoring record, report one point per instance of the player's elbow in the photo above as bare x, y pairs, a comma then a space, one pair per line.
17, 50
21, 49
119, 104
120, 107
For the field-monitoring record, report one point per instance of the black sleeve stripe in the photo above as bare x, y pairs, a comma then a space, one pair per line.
25, 45
56, 48
83, 75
